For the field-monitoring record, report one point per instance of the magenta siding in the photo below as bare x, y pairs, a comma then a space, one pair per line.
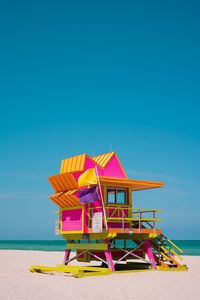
72, 220
117, 225
89, 163
113, 169
76, 175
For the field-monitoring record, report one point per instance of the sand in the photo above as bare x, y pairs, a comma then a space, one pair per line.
16, 282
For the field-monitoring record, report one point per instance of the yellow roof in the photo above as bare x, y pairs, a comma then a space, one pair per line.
65, 199
103, 159
76, 163
63, 182
73, 164
135, 185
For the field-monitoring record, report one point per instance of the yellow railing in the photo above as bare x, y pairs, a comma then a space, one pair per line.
133, 216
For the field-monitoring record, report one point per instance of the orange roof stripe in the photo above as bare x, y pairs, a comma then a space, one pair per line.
73, 164
55, 198
135, 185
103, 159
66, 199
63, 182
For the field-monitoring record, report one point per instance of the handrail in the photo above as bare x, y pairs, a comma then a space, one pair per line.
127, 208
122, 215
134, 219
174, 245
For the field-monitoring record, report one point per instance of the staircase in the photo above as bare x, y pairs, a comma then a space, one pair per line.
166, 253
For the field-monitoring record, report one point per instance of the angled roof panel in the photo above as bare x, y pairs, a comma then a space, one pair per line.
66, 199
73, 164
135, 185
103, 159
63, 182
55, 198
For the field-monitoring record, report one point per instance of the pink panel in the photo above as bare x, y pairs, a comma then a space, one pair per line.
96, 204
117, 225
72, 220
149, 253
89, 163
85, 225
109, 259
113, 169
76, 175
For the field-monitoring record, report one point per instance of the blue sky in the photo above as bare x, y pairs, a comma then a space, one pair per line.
84, 76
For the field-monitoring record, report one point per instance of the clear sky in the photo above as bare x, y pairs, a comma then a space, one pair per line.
90, 76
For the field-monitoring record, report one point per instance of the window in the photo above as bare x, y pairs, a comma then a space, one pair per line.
116, 196
121, 196
111, 195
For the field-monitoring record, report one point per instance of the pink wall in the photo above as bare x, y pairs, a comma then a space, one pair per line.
89, 163
117, 225
76, 175
72, 220
113, 169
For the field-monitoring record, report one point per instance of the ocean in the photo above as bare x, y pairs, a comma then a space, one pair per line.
190, 247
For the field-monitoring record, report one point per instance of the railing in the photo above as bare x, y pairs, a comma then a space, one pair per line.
135, 217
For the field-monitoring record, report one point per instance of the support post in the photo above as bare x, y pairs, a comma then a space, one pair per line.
140, 215
149, 253
108, 256
102, 200
66, 256
85, 219
154, 223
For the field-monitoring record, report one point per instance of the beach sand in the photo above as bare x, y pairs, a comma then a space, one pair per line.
16, 282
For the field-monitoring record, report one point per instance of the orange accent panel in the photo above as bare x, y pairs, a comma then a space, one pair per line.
65, 199
135, 185
73, 164
103, 159
63, 182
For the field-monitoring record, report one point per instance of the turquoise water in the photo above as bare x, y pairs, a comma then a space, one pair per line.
190, 247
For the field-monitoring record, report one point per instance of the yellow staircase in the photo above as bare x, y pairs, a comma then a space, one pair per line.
166, 253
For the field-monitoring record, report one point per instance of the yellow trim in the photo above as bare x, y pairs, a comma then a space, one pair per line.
71, 232
104, 195
93, 236
81, 271
76, 271
130, 202
179, 249
71, 207
82, 219
100, 246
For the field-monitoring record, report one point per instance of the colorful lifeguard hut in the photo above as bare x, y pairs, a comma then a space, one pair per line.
98, 220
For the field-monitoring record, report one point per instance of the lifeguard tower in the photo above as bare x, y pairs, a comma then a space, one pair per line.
98, 218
